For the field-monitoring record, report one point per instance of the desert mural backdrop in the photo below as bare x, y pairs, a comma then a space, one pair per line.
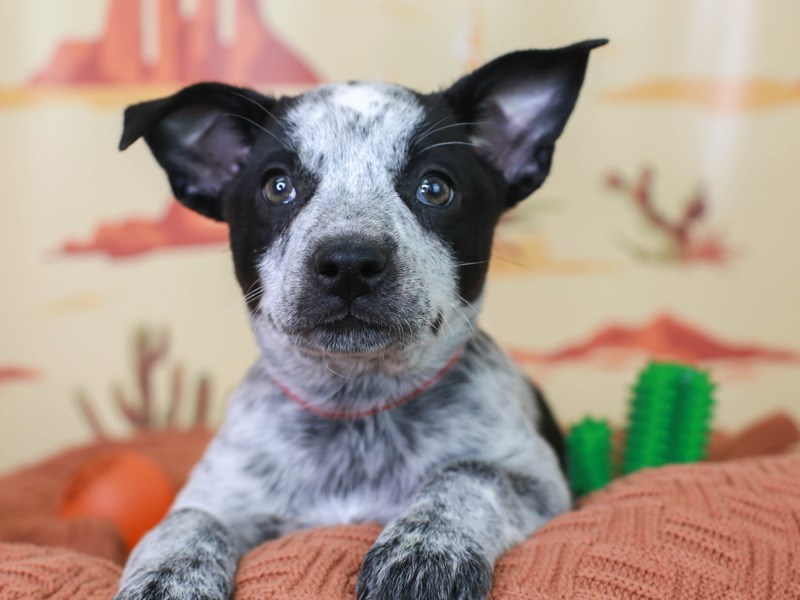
668, 228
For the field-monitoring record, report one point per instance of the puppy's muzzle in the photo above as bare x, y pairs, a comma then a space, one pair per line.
350, 267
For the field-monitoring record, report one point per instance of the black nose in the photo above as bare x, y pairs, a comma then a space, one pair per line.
350, 268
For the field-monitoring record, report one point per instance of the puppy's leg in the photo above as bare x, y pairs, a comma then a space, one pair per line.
189, 555
223, 511
444, 547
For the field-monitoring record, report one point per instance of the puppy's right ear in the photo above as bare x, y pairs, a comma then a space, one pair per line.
201, 136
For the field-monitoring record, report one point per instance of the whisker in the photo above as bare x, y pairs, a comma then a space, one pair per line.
262, 107
509, 261
429, 129
262, 128
446, 322
442, 128
327, 366
463, 316
467, 302
235, 304
254, 293
455, 144
467, 264
252, 285
250, 294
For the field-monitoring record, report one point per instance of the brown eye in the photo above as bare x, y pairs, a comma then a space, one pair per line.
434, 190
279, 189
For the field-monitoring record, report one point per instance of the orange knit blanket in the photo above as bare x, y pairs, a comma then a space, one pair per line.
714, 530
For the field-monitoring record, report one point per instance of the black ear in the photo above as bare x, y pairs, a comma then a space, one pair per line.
201, 136
519, 104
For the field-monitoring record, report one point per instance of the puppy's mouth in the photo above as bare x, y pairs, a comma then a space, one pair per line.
349, 333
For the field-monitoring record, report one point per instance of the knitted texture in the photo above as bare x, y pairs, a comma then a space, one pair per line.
728, 530
34, 572
715, 530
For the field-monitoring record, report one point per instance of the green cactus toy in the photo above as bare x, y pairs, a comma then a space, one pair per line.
589, 456
692, 419
668, 422
669, 417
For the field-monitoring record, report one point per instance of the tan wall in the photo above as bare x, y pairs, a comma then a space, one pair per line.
706, 94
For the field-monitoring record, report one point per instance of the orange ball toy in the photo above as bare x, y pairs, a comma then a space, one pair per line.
123, 486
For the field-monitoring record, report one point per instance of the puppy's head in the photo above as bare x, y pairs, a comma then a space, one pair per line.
361, 215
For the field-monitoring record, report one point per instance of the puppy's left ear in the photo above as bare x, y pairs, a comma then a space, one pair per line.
519, 104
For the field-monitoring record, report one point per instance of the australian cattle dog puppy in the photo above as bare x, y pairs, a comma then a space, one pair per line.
361, 218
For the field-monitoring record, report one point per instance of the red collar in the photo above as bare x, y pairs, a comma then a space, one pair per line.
342, 415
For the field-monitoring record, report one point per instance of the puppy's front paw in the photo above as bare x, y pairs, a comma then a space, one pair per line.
189, 556
175, 581
422, 562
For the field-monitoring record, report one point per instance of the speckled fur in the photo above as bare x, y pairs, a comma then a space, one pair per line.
459, 473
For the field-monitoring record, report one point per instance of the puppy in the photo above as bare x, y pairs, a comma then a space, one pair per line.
361, 219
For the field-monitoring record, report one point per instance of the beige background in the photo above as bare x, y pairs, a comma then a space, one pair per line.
704, 92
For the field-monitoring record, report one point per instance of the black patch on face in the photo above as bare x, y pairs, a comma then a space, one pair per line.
254, 223
442, 145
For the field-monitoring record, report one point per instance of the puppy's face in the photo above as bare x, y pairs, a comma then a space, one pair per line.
361, 215
363, 250
375, 215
